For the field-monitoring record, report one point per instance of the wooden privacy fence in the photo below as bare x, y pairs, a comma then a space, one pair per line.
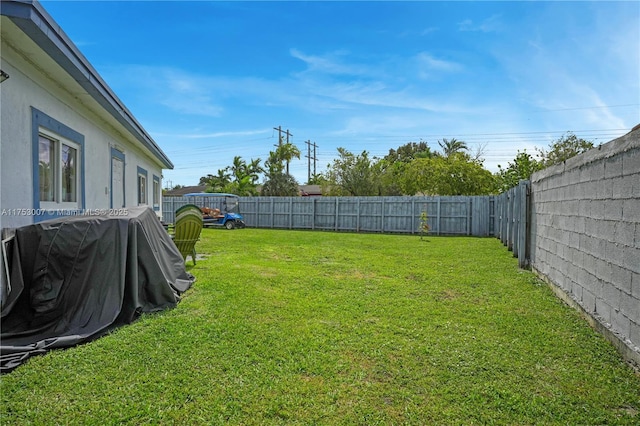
512, 221
454, 215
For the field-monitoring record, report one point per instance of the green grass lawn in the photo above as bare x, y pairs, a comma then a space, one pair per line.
297, 327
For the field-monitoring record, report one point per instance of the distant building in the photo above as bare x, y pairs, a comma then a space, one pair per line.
179, 192
310, 190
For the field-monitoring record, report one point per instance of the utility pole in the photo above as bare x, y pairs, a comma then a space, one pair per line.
279, 129
309, 157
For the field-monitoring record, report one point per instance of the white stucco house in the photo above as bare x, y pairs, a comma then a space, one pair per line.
67, 143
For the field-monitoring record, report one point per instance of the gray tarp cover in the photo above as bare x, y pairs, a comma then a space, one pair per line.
73, 279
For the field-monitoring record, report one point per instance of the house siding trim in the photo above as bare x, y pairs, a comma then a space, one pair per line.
41, 120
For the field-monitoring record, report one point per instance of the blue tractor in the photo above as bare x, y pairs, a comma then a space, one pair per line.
218, 209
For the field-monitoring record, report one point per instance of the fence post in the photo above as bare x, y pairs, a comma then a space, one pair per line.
272, 222
290, 213
413, 215
523, 193
313, 215
438, 219
469, 216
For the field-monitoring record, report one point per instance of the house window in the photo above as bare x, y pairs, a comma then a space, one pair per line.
156, 192
142, 186
58, 172
58, 167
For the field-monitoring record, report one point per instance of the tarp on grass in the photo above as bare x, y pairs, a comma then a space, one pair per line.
75, 278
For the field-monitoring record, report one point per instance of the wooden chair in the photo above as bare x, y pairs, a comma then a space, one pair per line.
188, 225
188, 207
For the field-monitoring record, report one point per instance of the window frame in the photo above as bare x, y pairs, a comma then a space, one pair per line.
156, 193
43, 125
143, 199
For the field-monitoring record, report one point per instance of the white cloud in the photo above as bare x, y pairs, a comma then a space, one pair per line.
428, 65
489, 25
330, 63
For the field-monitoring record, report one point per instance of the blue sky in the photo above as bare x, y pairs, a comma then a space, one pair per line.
210, 80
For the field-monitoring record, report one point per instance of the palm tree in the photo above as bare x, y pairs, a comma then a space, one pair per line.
450, 147
239, 168
287, 152
254, 169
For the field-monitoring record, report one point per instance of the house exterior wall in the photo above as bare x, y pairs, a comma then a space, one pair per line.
30, 89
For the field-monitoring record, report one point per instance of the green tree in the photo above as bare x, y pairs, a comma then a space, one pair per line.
287, 152
522, 167
239, 178
216, 183
456, 174
567, 146
393, 165
278, 181
243, 187
453, 146
408, 152
354, 175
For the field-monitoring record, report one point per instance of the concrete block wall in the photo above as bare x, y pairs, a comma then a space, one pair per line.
585, 235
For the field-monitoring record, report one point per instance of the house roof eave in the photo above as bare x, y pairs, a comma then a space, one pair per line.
37, 24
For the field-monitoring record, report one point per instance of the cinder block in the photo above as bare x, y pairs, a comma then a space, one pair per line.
590, 263
583, 278
571, 208
605, 189
595, 286
630, 306
631, 162
597, 209
585, 208
574, 239
585, 174
623, 186
611, 294
635, 285
620, 322
631, 259
631, 210
573, 175
613, 209
624, 233
634, 333
591, 225
635, 181
603, 310
596, 170
603, 229
598, 246
579, 190
613, 166
614, 253
576, 290
588, 301
575, 257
